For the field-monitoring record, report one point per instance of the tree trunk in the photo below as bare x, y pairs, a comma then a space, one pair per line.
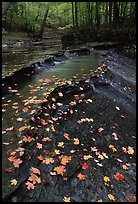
115, 15
76, 15
5, 6
73, 19
110, 16
40, 35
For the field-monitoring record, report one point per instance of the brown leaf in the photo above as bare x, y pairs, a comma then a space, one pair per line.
131, 198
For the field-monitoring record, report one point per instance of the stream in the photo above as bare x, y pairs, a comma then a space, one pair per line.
121, 76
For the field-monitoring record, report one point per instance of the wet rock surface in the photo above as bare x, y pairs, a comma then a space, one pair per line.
92, 122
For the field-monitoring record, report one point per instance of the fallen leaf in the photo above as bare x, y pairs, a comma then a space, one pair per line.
43, 122
119, 177
60, 170
13, 182
100, 200
86, 157
66, 199
48, 161
84, 166
66, 135
25, 109
60, 94
130, 150
111, 197
65, 159
17, 162
131, 198
76, 141
34, 178
60, 144
19, 119
15, 107
8, 170
112, 147
106, 178
124, 167
100, 129
29, 185
35, 170
40, 157
47, 81
39, 145
81, 176
23, 128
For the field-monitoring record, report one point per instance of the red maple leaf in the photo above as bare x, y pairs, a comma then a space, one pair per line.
84, 166
119, 177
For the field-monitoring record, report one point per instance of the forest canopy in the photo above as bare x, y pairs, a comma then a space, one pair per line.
31, 17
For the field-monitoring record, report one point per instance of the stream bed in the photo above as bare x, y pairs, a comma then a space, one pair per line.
17, 109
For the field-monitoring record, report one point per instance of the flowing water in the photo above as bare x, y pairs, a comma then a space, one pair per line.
34, 88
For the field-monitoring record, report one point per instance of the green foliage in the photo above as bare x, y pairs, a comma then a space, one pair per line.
28, 16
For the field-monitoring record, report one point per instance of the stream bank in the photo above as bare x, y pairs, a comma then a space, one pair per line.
87, 122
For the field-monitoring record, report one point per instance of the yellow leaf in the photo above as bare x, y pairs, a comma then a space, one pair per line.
76, 141
13, 182
86, 157
130, 150
111, 197
106, 178
124, 167
67, 199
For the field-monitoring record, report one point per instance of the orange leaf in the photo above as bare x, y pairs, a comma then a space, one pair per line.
25, 109
15, 107
66, 135
100, 129
76, 141
47, 81
23, 128
81, 176
39, 146
60, 169
40, 157
43, 122
65, 160
48, 161
29, 185
35, 170
34, 178
12, 158
119, 177
112, 147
